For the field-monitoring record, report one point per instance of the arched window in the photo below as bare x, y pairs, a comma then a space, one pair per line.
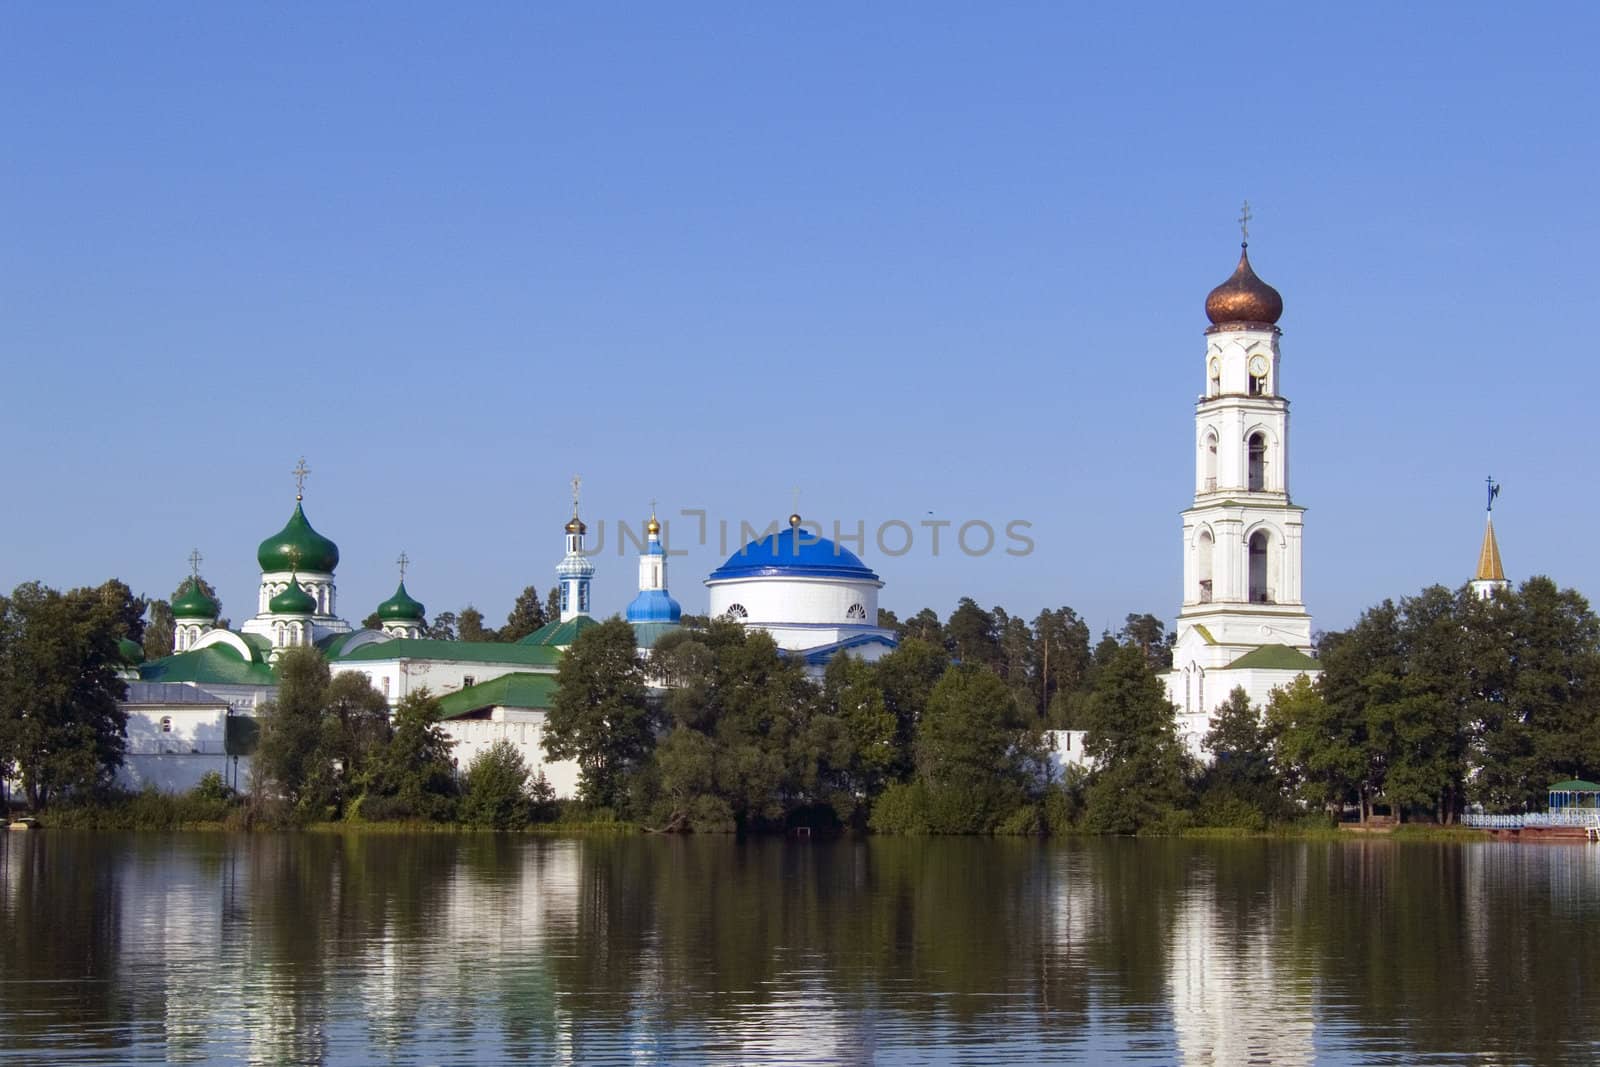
564, 598
855, 611
1258, 461
1211, 460
1203, 565
1200, 688
736, 612
1259, 593
1188, 689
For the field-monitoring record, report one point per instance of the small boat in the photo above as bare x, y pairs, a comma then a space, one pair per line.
27, 823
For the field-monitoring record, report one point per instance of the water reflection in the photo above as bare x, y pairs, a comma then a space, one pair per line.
327, 948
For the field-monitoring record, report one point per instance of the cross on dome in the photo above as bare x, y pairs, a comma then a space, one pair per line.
1244, 223
195, 559
402, 563
300, 471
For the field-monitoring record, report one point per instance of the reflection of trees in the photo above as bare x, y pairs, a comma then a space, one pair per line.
60, 925
325, 947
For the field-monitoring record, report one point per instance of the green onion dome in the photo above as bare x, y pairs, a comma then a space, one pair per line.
293, 600
131, 651
193, 603
401, 607
298, 545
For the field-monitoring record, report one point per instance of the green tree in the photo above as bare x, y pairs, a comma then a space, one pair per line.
552, 603
372, 622
1151, 637
1321, 750
907, 677
1061, 647
355, 729
291, 759
856, 745
1536, 680
1241, 780
526, 616
925, 626
160, 631
61, 728
469, 626
599, 716
1131, 736
414, 775
443, 627
976, 754
495, 789
973, 635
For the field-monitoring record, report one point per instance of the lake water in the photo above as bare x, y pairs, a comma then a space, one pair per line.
442, 948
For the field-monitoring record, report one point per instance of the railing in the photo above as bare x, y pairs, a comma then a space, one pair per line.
1581, 817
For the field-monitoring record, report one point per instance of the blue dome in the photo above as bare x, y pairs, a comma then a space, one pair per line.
793, 553
654, 605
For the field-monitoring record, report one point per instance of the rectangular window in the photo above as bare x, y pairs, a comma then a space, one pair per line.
468, 681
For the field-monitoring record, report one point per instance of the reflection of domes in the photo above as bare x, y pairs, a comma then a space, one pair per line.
193, 603
292, 601
401, 607
1244, 297
298, 545
793, 553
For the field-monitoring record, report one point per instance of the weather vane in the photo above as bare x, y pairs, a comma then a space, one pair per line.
195, 559
1244, 223
300, 471
1494, 490
401, 563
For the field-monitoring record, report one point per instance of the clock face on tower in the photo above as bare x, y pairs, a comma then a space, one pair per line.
1258, 366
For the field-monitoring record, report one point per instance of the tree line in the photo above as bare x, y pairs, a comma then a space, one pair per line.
1427, 706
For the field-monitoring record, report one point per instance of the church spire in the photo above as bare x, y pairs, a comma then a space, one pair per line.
1490, 576
575, 572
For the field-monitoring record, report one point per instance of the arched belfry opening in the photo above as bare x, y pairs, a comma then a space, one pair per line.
1259, 592
1257, 450
1203, 553
1211, 461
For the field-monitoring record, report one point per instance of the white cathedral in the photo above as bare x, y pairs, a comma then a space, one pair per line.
1244, 621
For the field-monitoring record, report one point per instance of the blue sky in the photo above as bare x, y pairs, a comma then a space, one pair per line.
921, 261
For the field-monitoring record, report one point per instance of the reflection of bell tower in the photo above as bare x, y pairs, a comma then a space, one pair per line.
1242, 535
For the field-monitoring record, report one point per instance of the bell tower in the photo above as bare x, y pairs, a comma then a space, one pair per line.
1243, 610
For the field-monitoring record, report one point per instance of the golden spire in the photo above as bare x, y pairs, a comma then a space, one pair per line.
653, 527
1489, 569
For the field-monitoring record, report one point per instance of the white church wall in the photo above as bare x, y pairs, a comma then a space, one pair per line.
525, 730
817, 601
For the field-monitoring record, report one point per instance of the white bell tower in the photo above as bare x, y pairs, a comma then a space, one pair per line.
1244, 620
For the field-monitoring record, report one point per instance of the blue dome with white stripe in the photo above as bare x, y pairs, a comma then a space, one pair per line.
793, 553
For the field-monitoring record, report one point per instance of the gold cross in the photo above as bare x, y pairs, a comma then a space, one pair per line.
1244, 222
577, 483
195, 559
300, 471
403, 561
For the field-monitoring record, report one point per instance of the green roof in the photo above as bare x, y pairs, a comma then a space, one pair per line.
455, 651
559, 634
298, 545
1275, 658
1575, 785
507, 691
293, 600
401, 607
214, 664
193, 603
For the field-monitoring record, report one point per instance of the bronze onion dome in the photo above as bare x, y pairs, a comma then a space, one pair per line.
1244, 298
